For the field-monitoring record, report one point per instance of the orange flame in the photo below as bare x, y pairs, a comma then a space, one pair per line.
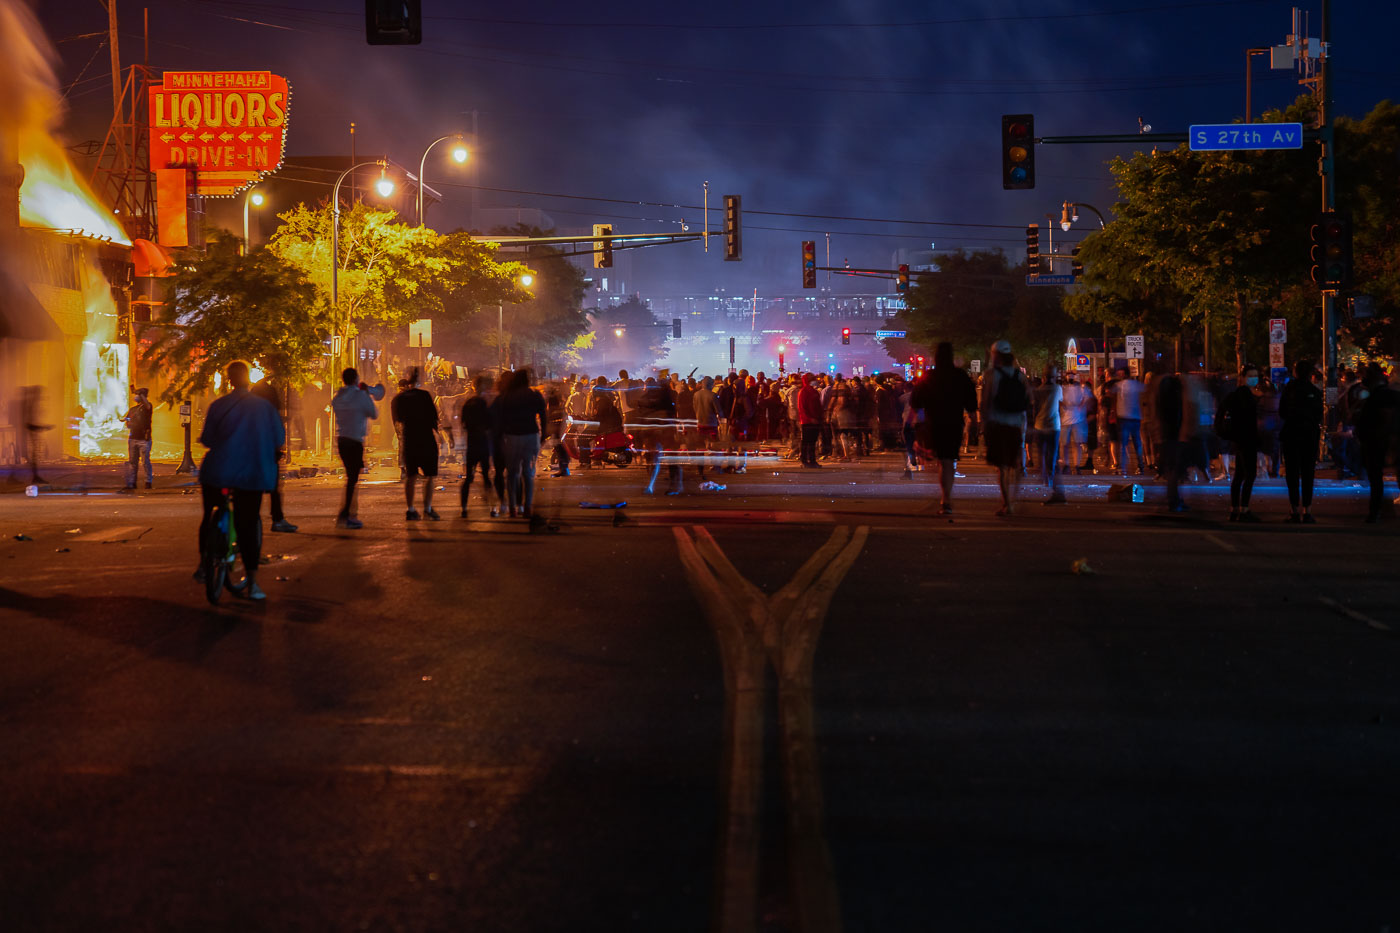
52, 195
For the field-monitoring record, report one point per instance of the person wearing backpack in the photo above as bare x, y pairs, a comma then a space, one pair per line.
138, 442
1006, 398
1237, 421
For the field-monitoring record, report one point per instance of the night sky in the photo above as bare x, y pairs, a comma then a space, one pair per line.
861, 109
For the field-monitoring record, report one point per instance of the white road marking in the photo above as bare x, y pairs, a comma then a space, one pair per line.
1354, 615
1222, 543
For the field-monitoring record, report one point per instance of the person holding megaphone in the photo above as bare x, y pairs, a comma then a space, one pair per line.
353, 406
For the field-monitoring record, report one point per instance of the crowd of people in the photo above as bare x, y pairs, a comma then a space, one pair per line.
1180, 428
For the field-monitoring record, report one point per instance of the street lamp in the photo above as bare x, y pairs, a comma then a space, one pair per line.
459, 155
385, 187
1069, 213
526, 279
255, 197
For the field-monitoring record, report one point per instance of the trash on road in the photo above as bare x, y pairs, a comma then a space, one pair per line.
31, 491
710, 485
1126, 492
274, 558
61, 550
602, 505
74, 531
1081, 567
23, 537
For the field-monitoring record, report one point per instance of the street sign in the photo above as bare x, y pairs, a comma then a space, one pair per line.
977, 366
1135, 346
1047, 278
1276, 354
420, 333
184, 412
1278, 330
1082, 364
887, 334
1214, 137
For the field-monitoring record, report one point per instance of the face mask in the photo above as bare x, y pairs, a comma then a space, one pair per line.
1252, 381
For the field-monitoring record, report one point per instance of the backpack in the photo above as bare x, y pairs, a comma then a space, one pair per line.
1011, 397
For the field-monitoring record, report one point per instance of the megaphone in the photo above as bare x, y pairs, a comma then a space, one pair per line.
376, 392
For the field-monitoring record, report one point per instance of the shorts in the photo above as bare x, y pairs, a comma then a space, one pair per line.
1003, 444
421, 459
1076, 433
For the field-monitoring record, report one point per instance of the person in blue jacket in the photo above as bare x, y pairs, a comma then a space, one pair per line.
243, 433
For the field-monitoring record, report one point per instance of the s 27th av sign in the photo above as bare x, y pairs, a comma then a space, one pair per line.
1212, 137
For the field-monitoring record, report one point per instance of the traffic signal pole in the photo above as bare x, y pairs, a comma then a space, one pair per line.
1329, 193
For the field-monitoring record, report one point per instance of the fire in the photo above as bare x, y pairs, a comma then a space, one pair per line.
53, 195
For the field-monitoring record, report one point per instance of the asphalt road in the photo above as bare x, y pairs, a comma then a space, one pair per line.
801, 703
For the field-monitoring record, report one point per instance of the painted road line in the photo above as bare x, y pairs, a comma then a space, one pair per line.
1222, 543
1354, 615
756, 630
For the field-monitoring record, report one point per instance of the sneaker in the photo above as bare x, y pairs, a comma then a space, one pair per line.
1249, 517
411, 515
432, 515
250, 590
284, 526
349, 523
1308, 519
1294, 519
148, 484
464, 513
1057, 499
495, 511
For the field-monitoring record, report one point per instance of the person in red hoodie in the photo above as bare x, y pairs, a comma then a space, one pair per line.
809, 417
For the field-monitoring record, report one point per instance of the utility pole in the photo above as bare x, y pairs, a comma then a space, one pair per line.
1329, 193
116, 76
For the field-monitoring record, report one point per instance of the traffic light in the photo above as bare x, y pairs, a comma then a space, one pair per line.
901, 281
845, 336
1018, 151
676, 328
809, 263
1331, 251
393, 22
1033, 249
602, 248
921, 363
733, 236
1076, 267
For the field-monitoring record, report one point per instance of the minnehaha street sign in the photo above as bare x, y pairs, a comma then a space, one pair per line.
228, 126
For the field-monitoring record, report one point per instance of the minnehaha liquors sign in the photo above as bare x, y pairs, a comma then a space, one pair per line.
228, 126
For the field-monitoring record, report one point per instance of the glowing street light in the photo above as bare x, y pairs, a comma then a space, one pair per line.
527, 280
254, 197
459, 155
385, 187
617, 331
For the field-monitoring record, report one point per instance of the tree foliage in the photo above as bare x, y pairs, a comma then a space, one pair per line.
389, 273
229, 306
641, 343
1221, 238
976, 298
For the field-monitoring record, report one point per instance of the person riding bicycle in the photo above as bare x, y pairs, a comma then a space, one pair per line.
243, 433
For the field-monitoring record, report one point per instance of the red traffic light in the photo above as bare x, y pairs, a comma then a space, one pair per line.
845, 335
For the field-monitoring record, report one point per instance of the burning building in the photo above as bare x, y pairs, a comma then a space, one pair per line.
65, 272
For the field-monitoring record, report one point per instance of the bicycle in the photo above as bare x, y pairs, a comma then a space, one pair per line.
220, 549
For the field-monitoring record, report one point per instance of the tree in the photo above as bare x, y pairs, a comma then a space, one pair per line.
1206, 237
543, 325
229, 306
389, 273
628, 336
1368, 185
976, 298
